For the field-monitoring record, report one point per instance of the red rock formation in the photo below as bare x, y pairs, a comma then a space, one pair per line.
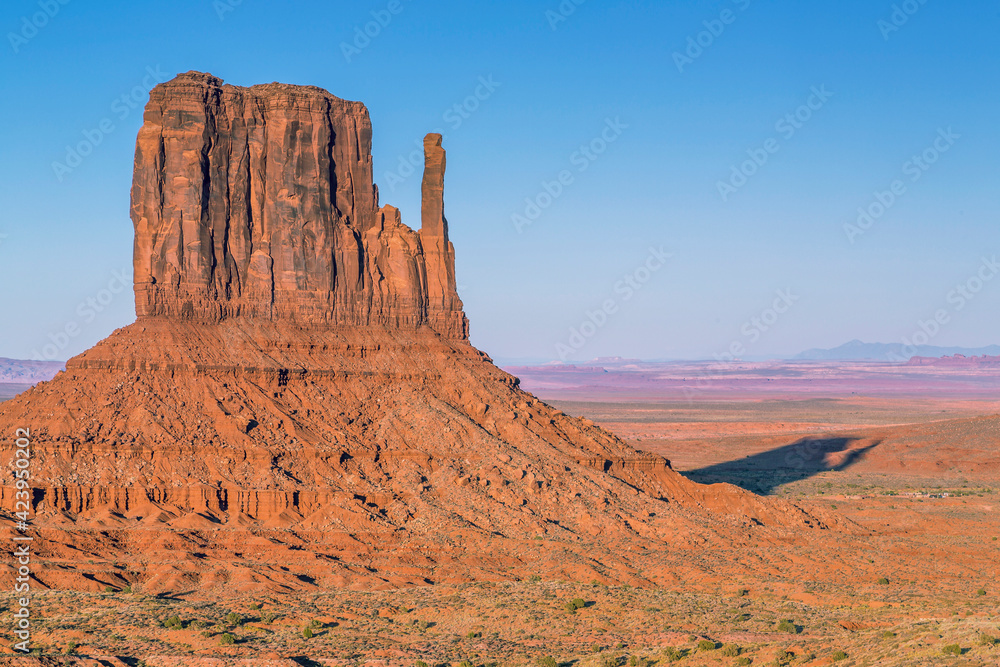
259, 202
297, 401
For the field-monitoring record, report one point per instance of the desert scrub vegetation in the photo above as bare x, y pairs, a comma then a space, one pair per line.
547, 661
837, 656
574, 604
707, 645
730, 650
952, 649
233, 619
787, 626
227, 639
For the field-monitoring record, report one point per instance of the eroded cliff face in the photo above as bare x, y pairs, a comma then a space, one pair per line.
259, 202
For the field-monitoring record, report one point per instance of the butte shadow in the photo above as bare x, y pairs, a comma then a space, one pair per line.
765, 471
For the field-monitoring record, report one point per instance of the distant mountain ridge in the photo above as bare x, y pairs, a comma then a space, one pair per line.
857, 350
21, 371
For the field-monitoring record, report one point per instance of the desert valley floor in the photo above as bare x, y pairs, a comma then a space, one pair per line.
908, 457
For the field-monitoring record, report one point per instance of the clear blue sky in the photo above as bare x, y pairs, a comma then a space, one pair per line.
676, 134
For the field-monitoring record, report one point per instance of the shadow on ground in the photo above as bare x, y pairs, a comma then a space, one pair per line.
763, 472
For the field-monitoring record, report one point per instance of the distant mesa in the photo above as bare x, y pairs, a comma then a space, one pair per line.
856, 350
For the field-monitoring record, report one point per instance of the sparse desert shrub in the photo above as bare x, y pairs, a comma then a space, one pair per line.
671, 654
70, 648
574, 604
466, 663
174, 623
314, 624
883, 581
127, 590
639, 661
731, 650
109, 589
744, 661
888, 634
838, 656
742, 593
612, 660
307, 633
981, 592
741, 617
227, 639
986, 640
787, 626
268, 618
706, 645
234, 619
534, 578
421, 624
472, 634
952, 649
547, 661
421, 663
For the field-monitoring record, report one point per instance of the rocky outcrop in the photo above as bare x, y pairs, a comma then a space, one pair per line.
259, 202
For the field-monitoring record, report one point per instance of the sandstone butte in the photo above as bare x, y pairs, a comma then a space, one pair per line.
297, 404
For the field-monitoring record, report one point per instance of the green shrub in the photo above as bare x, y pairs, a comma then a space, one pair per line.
307, 633
731, 650
234, 619
227, 638
268, 618
534, 578
952, 649
174, 623
639, 661
838, 656
70, 648
744, 661
574, 604
883, 581
421, 663
547, 661
610, 660
986, 640
466, 663
671, 654
888, 634
706, 645
981, 592
314, 624
472, 634
787, 626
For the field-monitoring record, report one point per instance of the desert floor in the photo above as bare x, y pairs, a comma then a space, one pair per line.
914, 467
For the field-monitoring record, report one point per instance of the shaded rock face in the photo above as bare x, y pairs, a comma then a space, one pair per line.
259, 202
